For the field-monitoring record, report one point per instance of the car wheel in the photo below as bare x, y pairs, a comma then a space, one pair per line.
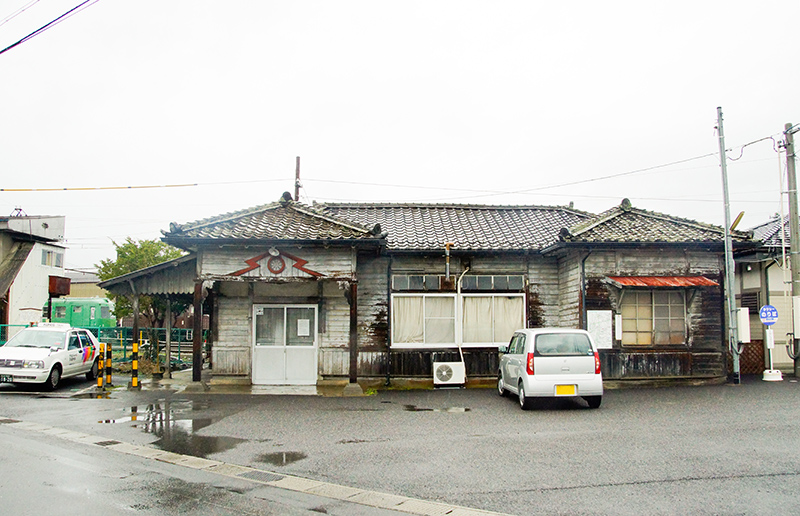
91, 374
53, 379
525, 403
501, 387
593, 401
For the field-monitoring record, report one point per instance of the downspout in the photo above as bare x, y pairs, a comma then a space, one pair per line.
460, 319
447, 247
583, 291
389, 323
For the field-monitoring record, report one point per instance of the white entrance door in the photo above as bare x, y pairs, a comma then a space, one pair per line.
285, 345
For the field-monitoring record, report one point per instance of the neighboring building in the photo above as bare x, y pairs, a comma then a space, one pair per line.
297, 293
84, 284
31, 267
762, 279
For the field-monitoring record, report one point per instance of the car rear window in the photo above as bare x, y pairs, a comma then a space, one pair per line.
556, 344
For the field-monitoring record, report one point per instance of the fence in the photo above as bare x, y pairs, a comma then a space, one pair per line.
121, 339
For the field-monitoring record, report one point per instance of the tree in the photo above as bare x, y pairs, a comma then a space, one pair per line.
133, 255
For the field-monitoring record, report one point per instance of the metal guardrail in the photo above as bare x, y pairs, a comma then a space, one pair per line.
121, 339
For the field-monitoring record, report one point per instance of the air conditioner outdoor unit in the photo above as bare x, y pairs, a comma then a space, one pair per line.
449, 373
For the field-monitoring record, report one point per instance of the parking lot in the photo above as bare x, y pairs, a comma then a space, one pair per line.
707, 450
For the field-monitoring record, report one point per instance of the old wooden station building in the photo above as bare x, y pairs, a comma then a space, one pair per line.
300, 293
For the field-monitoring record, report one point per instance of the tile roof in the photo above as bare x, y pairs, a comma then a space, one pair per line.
769, 233
286, 220
624, 223
421, 227
468, 227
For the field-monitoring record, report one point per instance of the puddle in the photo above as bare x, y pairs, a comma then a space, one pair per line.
92, 396
176, 428
414, 408
281, 458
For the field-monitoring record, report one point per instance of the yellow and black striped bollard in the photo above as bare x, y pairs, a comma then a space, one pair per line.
100, 362
135, 366
108, 365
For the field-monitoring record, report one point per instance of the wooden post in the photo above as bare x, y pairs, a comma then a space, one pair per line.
353, 332
168, 345
197, 337
135, 309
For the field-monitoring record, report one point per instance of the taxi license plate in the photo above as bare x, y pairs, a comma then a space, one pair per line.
6, 378
565, 390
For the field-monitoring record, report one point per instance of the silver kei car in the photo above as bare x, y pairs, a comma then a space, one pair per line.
548, 363
46, 353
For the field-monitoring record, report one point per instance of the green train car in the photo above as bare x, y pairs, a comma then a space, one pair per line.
83, 312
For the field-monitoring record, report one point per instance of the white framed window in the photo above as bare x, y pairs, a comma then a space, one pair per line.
653, 318
52, 258
443, 320
491, 319
423, 320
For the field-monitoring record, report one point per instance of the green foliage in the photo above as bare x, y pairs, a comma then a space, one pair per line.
134, 255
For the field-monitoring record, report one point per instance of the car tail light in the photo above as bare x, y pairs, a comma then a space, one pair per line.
529, 367
596, 362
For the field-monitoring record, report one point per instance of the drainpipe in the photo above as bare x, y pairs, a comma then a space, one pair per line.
459, 320
389, 323
447, 247
583, 290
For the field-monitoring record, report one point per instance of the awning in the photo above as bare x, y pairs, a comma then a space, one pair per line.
661, 281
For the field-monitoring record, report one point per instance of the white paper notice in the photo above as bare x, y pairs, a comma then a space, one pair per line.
303, 327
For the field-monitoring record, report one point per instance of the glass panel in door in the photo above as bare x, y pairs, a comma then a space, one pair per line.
301, 351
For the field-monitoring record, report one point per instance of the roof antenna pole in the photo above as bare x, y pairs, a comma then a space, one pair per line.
733, 334
297, 180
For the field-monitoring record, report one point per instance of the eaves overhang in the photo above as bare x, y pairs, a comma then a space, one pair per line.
609, 246
195, 244
121, 285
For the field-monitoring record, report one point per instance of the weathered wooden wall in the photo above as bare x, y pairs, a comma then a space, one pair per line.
703, 353
544, 308
419, 363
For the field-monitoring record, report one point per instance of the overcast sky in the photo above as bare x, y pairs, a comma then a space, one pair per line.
501, 102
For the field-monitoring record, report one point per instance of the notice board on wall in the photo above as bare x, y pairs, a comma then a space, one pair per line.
600, 325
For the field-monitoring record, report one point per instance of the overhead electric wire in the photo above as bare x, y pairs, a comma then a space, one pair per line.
18, 12
52, 24
484, 192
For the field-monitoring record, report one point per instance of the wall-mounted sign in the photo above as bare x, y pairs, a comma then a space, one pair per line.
276, 264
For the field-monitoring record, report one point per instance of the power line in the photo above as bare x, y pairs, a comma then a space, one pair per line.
18, 12
483, 192
52, 24
136, 187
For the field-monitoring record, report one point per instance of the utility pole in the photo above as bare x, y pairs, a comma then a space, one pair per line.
730, 293
297, 180
794, 232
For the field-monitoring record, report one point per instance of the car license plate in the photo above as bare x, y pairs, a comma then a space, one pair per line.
565, 390
6, 378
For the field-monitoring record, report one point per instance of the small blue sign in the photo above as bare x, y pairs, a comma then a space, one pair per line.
768, 315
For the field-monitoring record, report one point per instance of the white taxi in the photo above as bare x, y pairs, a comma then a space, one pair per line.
47, 353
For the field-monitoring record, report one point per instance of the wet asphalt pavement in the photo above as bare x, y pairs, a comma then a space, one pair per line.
727, 449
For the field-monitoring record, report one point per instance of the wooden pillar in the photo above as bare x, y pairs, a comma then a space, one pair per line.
168, 345
353, 332
197, 332
135, 328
